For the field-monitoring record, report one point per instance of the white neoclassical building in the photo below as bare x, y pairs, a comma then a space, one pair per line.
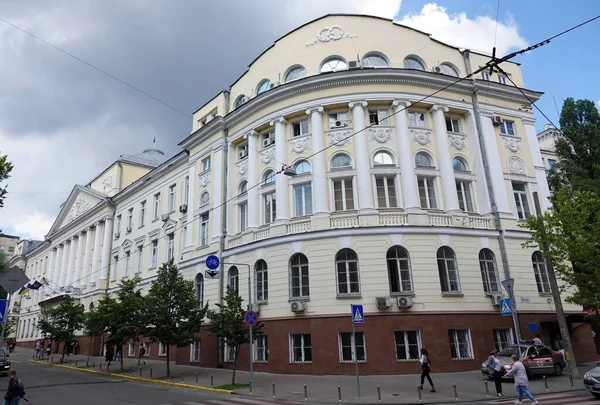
337, 170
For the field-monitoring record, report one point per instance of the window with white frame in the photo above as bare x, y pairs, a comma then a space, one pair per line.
408, 344
172, 198
300, 128
521, 201
204, 225
162, 349
489, 271
460, 344
417, 119
154, 252
242, 216
239, 101
268, 138
200, 289
186, 190
423, 160
333, 64
295, 73
229, 353
170, 246
129, 219
448, 270
140, 258
269, 208
118, 224
206, 164
459, 165
507, 128
243, 188
131, 351
195, 351
502, 79
261, 349
343, 194
449, 70
383, 158
503, 337
302, 167
142, 213
427, 192
379, 117
115, 266
269, 177
386, 191
262, 281
263, 86
303, 199
453, 125
147, 348
463, 191
351, 344
374, 59
338, 119
156, 206
485, 75
233, 279
299, 281
341, 160
346, 263
300, 348
243, 151
399, 270
411, 62
540, 272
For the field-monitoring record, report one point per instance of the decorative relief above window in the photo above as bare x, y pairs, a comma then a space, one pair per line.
458, 142
204, 179
420, 136
204, 199
512, 144
328, 34
300, 144
516, 166
108, 183
339, 137
79, 207
381, 135
242, 167
267, 155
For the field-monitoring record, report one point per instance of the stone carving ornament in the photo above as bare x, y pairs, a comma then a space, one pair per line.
242, 167
458, 142
328, 34
381, 135
108, 183
339, 138
516, 166
204, 179
511, 144
267, 155
204, 198
420, 136
78, 208
299, 145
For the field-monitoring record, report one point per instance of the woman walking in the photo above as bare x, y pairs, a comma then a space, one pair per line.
495, 370
521, 381
15, 390
426, 369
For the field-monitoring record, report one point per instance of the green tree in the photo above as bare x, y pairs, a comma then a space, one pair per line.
3, 269
122, 318
60, 322
94, 324
228, 323
11, 324
5, 169
173, 314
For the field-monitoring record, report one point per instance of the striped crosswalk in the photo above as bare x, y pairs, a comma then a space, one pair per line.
565, 398
235, 400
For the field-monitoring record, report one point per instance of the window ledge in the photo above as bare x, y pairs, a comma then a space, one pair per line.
407, 361
301, 362
262, 302
403, 294
347, 296
305, 299
452, 294
154, 219
138, 272
492, 293
470, 359
260, 362
141, 226
351, 361
548, 294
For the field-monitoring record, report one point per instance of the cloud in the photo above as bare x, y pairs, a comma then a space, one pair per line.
459, 30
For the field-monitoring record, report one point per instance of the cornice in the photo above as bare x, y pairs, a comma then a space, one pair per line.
212, 127
94, 214
318, 109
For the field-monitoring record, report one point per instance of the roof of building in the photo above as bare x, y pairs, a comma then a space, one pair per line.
149, 157
29, 245
3, 235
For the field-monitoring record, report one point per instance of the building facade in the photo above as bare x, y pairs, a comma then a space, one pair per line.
8, 245
329, 174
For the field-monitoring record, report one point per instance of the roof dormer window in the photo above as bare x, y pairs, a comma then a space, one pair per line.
263, 86
333, 64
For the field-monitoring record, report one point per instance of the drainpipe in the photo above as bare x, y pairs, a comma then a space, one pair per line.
120, 177
492, 197
220, 354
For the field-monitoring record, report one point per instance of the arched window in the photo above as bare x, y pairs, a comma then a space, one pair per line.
243, 188
299, 283
423, 160
262, 281
463, 187
375, 59
489, 271
412, 62
295, 73
269, 177
341, 160
448, 270
263, 86
233, 279
92, 305
346, 263
302, 167
333, 64
200, 289
541, 273
449, 70
239, 101
459, 164
383, 158
399, 271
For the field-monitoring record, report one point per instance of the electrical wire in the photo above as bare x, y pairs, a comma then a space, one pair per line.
497, 16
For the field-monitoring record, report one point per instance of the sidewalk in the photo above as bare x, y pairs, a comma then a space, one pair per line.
398, 389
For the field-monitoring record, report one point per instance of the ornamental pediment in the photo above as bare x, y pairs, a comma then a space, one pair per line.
81, 200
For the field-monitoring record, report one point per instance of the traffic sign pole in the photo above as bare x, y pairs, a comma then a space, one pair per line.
357, 317
509, 286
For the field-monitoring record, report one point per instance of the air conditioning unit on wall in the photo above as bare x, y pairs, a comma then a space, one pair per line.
497, 120
405, 302
496, 300
298, 306
383, 302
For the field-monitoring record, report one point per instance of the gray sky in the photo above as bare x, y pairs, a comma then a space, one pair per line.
61, 122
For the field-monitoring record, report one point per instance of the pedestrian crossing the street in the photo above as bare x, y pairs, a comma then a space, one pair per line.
563, 398
235, 400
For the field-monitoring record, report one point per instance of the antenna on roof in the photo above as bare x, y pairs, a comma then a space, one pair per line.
154, 141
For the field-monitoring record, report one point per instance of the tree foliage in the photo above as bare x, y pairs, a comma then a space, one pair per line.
60, 322
94, 324
173, 314
228, 323
5, 169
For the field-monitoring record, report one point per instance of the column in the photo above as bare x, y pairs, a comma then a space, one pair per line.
56, 272
495, 165
410, 189
319, 167
253, 219
217, 194
444, 157
191, 205
538, 164
105, 261
63, 266
281, 180
96, 254
86, 258
77, 270
232, 192
51, 265
71, 265
483, 197
363, 164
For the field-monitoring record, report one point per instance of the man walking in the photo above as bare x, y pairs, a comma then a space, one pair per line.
141, 354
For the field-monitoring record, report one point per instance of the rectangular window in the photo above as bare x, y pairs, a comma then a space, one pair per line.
503, 338
131, 351
303, 199
261, 349
300, 348
172, 198
162, 349
300, 280
115, 265
186, 190
460, 344
118, 224
453, 125
300, 128
378, 117
229, 353
502, 79
347, 276
147, 348
204, 229
343, 195
206, 164
416, 119
427, 192
408, 344
170, 246
465, 201
127, 262
485, 75
243, 216
551, 163
351, 344
195, 351
338, 120
154, 260
507, 128
156, 207
129, 219
243, 151
142, 213
140, 258
520, 194
268, 138
270, 208
386, 192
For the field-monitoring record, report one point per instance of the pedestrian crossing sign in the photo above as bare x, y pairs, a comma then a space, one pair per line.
358, 314
505, 308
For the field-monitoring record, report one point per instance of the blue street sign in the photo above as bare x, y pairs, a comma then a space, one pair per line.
505, 308
358, 315
250, 318
2, 310
212, 262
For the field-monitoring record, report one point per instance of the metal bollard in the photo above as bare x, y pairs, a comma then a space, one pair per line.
273, 389
546, 383
305, 393
182, 376
212, 381
487, 389
339, 393
150, 373
571, 378
52, 359
250, 385
93, 365
196, 378
455, 393
378, 394
140, 371
75, 363
419, 392
87, 364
